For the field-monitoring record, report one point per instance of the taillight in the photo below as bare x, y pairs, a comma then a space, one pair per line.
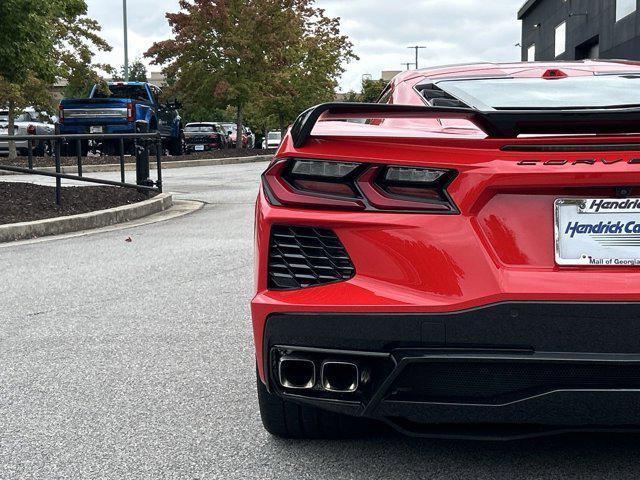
131, 114
31, 130
214, 135
60, 114
359, 186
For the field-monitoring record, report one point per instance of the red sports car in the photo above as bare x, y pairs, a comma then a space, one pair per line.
460, 259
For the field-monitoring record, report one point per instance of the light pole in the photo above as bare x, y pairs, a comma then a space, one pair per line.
126, 41
416, 48
407, 64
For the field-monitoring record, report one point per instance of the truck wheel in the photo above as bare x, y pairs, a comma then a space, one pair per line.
289, 420
175, 147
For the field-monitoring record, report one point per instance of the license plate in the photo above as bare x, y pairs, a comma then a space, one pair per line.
199, 148
95, 129
597, 231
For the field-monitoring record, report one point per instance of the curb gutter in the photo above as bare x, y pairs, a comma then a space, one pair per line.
85, 221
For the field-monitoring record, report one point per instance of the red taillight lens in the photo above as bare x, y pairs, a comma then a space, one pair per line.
358, 186
31, 130
131, 113
60, 114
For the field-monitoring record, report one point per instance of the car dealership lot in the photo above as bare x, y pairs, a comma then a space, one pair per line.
134, 360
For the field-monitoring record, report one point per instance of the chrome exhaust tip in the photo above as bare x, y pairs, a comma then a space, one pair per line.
296, 373
340, 377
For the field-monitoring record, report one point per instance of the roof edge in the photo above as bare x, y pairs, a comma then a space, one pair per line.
528, 5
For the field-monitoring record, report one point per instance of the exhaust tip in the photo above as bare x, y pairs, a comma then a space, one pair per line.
340, 377
296, 373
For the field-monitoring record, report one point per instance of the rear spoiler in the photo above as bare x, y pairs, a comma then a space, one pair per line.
494, 123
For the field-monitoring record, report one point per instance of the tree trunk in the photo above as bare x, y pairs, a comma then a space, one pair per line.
283, 126
239, 126
13, 154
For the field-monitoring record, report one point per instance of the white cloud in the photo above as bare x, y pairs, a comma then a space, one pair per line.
454, 31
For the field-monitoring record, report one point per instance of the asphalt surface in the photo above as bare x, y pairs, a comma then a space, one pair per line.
135, 360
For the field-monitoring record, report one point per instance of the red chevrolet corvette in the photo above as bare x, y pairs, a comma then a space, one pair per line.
460, 259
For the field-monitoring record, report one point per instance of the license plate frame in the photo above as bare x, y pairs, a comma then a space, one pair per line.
610, 236
96, 129
199, 148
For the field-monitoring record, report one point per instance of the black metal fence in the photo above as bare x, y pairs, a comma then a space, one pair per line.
144, 146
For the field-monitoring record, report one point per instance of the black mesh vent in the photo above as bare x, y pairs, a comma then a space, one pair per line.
496, 382
303, 257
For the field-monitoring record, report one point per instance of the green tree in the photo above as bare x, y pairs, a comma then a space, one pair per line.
277, 55
372, 89
137, 72
39, 42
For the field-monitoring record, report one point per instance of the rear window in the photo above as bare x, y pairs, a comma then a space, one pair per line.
4, 117
274, 135
199, 128
569, 92
133, 92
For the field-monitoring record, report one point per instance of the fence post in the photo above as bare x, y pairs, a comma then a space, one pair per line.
142, 157
159, 154
58, 141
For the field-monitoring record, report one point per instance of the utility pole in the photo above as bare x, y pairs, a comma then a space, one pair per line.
416, 48
126, 41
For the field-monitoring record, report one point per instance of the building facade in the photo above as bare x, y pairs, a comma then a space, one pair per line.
580, 29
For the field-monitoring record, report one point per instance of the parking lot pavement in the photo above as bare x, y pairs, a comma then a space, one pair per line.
134, 360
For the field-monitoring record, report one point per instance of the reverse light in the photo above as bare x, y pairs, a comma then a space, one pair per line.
413, 175
358, 186
323, 169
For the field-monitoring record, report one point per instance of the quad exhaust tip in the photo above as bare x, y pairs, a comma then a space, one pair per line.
297, 373
340, 377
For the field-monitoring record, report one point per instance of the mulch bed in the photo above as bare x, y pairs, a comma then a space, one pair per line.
106, 159
25, 202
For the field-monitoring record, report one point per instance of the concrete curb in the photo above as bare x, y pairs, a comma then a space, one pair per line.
115, 167
85, 221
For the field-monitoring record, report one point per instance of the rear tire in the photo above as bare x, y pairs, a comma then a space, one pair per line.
175, 147
289, 420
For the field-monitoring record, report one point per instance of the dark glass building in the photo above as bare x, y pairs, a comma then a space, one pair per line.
580, 29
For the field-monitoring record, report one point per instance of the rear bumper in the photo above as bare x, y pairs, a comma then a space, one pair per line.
501, 371
85, 129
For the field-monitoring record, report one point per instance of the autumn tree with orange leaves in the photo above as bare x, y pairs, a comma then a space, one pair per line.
280, 56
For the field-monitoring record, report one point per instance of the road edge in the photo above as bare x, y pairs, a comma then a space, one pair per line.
115, 167
86, 221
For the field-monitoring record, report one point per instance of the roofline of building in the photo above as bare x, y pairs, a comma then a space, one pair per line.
528, 5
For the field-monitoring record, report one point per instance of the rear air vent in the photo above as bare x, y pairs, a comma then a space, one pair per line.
438, 97
302, 257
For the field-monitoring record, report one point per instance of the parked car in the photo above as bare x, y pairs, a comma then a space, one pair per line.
231, 129
251, 138
468, 264
29, 122
274, 137
118, 111
204, 136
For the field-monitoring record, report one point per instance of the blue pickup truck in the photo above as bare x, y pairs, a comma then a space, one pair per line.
117, 111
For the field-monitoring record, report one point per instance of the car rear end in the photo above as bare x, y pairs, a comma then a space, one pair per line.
201, 137
97, 115
471, 284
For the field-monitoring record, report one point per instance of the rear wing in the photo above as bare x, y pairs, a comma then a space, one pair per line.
494, 123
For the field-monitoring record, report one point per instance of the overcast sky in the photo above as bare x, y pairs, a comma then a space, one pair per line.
454, 31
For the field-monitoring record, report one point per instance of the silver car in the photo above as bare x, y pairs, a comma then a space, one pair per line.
28, 122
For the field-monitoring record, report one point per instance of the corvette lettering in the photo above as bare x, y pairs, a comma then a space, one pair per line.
584, 161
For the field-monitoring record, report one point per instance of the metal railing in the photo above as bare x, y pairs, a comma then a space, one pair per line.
145, 144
